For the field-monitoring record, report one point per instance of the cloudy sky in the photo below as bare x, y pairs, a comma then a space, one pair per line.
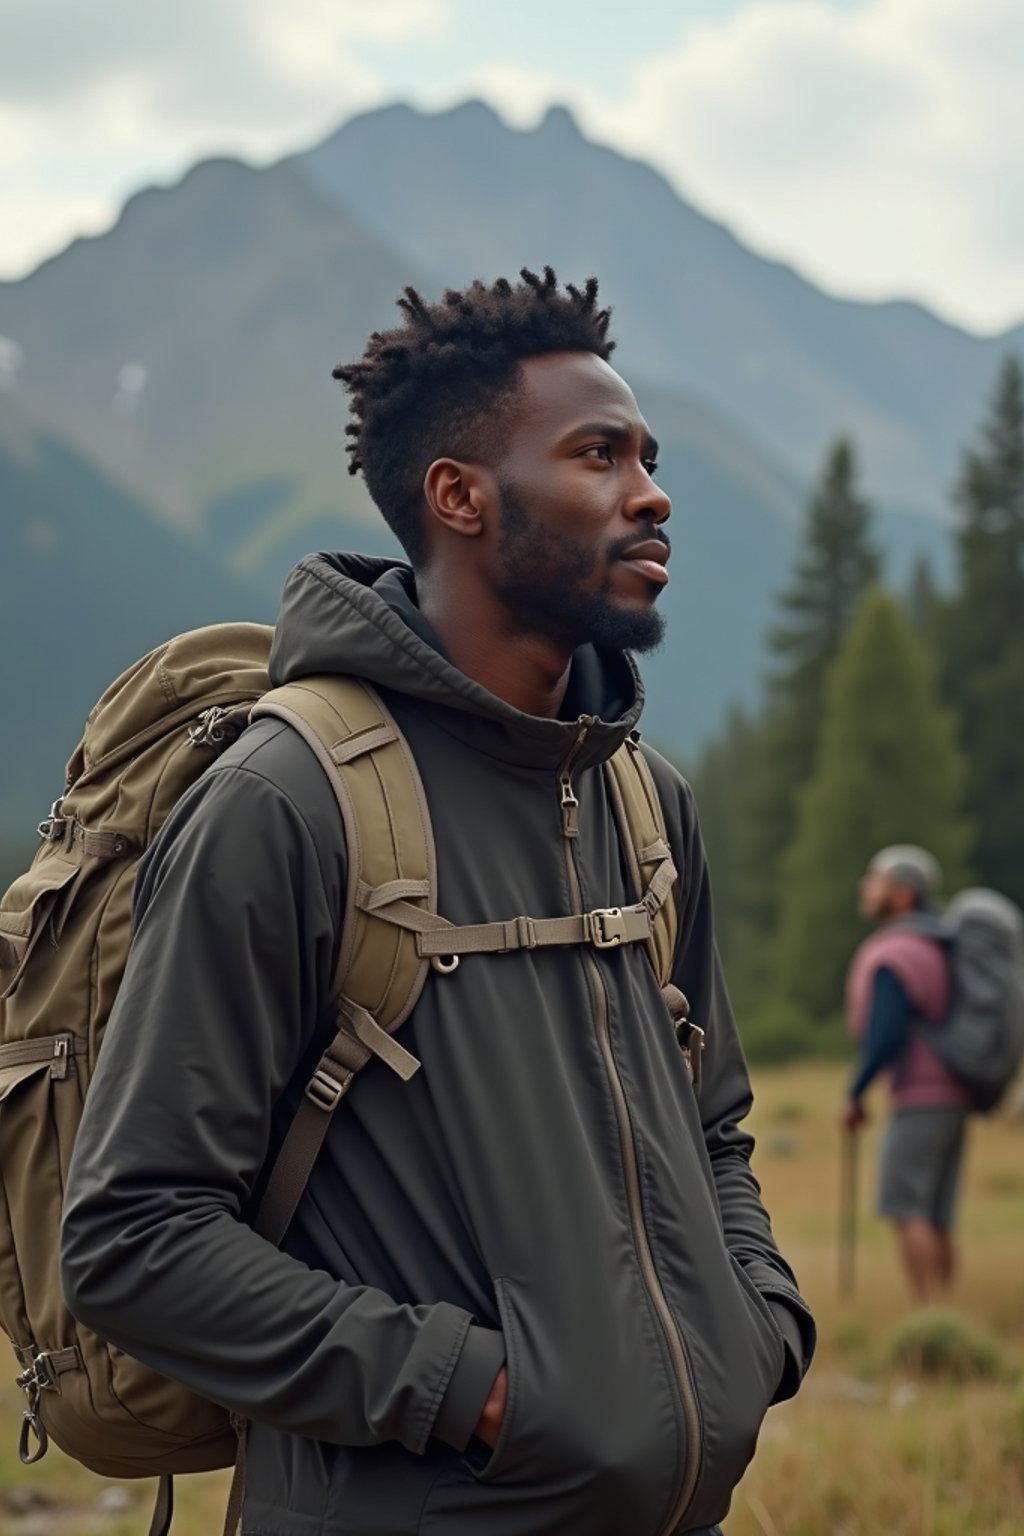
874, 144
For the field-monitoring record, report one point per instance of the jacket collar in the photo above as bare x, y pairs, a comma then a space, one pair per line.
356, 614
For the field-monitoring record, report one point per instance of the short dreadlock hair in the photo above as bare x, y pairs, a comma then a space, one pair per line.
429, 388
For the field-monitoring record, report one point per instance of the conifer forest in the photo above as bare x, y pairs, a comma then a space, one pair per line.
887, 715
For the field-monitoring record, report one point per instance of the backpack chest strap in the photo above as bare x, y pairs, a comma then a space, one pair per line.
603, 928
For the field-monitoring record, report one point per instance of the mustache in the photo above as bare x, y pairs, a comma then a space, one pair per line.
644, 535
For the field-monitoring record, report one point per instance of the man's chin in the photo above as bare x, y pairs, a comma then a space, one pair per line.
631, 629
572, 618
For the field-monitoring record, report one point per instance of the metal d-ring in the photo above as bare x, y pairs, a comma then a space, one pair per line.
445, 964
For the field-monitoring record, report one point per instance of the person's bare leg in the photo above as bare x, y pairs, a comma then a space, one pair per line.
947, 1262
924, 1256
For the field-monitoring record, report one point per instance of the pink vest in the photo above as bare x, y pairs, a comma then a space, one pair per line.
919, 1079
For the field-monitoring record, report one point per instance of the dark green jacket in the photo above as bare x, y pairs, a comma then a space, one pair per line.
548, 1191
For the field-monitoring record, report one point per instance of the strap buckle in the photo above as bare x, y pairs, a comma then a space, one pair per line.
526, 933
323, 1091
693, 1049
39, 1375
607, 927
45, 1373
206, 730
51, 828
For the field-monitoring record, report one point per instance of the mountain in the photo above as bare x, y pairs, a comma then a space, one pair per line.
793, 368
174, 411
236, 291
190, 349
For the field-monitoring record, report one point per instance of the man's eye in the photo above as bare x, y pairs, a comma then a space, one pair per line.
601, 450
651, 466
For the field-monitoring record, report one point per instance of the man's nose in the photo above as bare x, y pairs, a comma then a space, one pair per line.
649, 502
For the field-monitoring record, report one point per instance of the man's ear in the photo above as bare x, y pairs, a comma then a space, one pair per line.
458, 495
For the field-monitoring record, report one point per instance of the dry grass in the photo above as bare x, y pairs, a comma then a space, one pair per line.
865, 1450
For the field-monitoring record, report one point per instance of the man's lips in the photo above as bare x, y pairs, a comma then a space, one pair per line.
648, 560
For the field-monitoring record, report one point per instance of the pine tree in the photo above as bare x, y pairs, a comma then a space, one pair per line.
982, 637
718, 779
923, 602
889, 771
836, 563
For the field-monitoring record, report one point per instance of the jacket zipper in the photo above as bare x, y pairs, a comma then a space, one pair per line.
631, 1168
567, 797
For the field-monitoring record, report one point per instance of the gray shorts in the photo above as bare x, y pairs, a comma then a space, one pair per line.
922, 1154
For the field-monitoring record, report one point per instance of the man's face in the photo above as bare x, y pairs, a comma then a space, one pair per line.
581, 555
879, 897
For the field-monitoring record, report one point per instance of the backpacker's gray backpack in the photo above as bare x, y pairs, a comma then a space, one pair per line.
981, 1039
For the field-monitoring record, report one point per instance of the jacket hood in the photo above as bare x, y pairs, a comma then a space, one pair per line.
358, 614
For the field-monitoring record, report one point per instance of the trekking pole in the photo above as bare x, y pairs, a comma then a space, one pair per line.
848, 1213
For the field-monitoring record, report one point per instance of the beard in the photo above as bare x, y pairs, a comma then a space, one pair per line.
544, 582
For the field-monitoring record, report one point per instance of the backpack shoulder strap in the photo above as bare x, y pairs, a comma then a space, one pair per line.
644, 836
387, 831
638, 811
380, 972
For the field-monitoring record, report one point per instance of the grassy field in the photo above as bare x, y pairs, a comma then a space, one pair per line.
869, 1448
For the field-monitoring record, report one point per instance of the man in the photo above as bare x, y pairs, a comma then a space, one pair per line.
899, 983
534, 1289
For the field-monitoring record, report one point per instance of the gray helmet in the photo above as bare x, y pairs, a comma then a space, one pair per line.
906, 864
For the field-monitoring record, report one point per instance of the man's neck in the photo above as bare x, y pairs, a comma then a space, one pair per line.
528, 672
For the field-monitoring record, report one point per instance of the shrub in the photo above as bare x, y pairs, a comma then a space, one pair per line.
776, 1032
790, 1112
942, 1344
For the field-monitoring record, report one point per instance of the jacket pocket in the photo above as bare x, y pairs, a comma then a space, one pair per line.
485, 1466
739, 1355
11, 1077
591, 1437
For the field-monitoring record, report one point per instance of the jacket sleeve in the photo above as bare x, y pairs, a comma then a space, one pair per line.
725, 1100
885, 1038
228, 974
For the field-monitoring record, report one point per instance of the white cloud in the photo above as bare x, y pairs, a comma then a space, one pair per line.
95, 102
877, 148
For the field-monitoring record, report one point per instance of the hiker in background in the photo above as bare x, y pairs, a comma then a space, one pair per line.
899, 986
533, 1289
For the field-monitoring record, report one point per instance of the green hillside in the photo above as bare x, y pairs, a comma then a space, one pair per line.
89, 580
